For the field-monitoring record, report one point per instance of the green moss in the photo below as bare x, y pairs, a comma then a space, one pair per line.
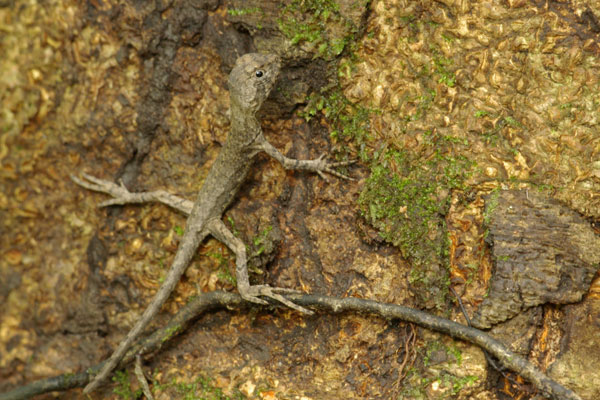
513, 122
68, 377
407, 193
224, 273
237, 12
350, 122
123, 388
448, 385
261, 240
244, 11
234, 229
493, 136
544, 187
178, 230
421, 377
473, 268
491, 203
441, 67
436, 345
170, 332
406, 198
200, 389
318, 24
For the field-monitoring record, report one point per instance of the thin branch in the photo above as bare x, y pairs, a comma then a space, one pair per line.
139, 374
490, 360
332, 305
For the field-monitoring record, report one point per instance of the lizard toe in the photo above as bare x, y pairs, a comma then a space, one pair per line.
251, 296
271, 292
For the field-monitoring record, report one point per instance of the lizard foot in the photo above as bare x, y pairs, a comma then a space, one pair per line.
324, 166
119, 192
251, 293
121, 195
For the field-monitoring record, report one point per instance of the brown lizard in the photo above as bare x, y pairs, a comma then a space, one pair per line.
250, 82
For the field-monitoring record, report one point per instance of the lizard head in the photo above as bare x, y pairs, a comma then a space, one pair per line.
252, 78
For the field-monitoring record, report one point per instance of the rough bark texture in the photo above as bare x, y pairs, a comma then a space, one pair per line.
579, 322
82, 86
543, 252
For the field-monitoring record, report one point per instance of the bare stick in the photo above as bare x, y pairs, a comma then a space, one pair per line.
224, 300
139, 374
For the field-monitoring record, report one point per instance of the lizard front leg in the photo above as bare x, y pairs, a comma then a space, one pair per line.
320, 165
217, 228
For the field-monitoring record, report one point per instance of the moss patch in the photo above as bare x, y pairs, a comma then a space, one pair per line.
202, 388
406, 197
319, 26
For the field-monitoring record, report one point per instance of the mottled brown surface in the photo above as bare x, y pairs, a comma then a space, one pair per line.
543, 252
79, 78
74, 278
579, 356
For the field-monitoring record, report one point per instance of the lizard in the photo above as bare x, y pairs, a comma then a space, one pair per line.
250, 82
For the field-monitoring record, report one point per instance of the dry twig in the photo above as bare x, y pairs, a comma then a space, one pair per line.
326, 304
139, 374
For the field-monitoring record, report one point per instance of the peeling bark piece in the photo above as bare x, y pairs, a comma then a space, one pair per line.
543, 252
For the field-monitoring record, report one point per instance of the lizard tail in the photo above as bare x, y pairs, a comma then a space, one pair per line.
186, 251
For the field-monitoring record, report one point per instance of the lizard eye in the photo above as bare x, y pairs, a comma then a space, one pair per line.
259, 73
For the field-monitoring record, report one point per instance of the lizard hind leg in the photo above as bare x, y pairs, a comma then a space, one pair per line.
249, 292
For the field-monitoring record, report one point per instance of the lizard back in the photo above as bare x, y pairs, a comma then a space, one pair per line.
250, 83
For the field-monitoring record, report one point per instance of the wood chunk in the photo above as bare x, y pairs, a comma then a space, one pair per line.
543, 252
